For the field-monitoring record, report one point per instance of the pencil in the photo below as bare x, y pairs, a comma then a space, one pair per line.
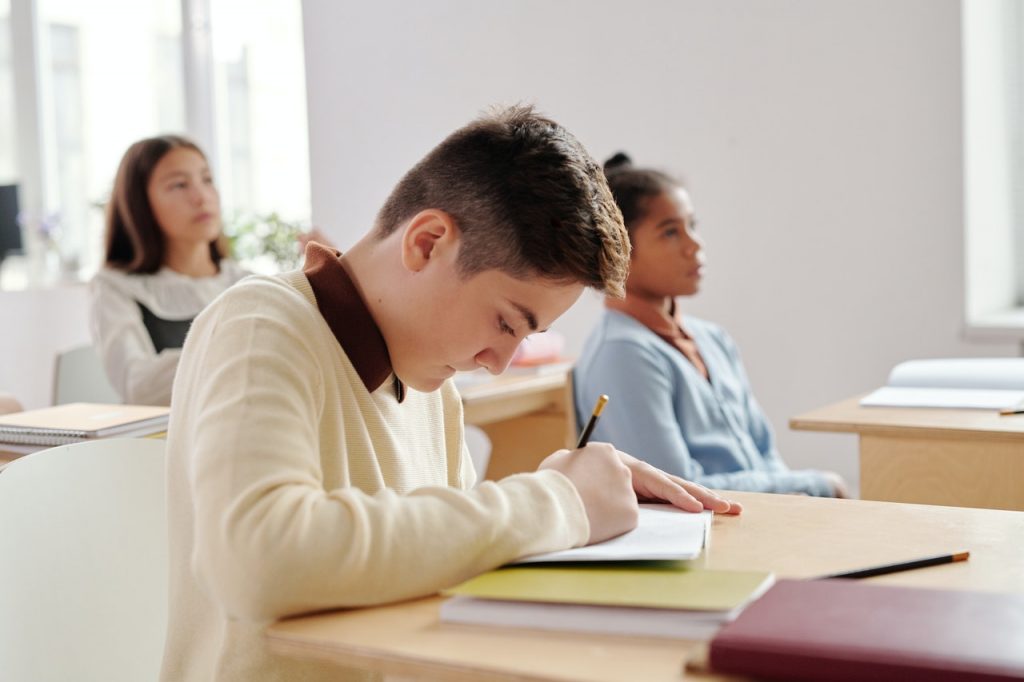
598, 408
1015, 409
903, 566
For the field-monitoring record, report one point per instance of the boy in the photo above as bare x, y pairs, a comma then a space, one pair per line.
315, 454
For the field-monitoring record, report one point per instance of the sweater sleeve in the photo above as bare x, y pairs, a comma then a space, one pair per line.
644, 422
271, 541
139, 374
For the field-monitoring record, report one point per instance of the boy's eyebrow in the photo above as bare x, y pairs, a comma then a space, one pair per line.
531, 319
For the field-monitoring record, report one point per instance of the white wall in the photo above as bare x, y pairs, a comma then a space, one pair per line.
821, 142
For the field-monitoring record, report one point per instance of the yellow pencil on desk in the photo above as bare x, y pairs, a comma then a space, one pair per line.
598, 408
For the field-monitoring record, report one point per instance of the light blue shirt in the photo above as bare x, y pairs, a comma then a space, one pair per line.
662, 410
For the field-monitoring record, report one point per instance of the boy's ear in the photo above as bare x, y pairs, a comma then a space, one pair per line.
430, 235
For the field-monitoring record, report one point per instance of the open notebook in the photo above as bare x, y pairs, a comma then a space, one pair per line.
663, 533
981, 383
637, 584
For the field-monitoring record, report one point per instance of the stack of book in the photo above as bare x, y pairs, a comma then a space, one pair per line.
76, 422
669, 600
637, 584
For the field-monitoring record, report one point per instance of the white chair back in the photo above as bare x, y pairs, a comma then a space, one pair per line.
78, 377
479, 445
83, 563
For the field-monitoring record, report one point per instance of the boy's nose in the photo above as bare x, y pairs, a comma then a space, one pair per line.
496, 359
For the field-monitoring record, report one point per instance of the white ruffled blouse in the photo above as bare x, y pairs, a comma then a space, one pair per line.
139, 321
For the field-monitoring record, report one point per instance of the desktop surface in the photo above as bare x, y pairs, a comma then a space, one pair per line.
793, 536
848, 416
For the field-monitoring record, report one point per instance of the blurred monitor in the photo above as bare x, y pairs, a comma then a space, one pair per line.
10, 230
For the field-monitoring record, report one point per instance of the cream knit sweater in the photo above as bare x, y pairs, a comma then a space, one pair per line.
292, 488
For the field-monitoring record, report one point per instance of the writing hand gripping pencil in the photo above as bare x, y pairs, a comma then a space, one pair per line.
610, 483
657, 485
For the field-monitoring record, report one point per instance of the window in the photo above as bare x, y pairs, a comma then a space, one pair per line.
8, 141
106, 73
106, 79
993, 44
260, 108
70, 176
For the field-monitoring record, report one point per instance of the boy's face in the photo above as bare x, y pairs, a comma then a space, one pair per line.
452, 324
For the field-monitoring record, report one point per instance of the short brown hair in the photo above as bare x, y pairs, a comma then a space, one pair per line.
134, 242
527, 198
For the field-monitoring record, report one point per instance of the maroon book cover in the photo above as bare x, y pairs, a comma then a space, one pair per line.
848, 630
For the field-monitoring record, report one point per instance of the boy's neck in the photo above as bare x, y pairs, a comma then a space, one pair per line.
369, 269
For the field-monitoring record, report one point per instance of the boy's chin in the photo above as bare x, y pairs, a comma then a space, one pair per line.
427, 386
424, 384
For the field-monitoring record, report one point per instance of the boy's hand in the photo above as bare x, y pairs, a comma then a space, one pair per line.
610, 482
604, 483
654, 485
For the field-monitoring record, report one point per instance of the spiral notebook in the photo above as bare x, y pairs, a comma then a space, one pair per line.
74, 422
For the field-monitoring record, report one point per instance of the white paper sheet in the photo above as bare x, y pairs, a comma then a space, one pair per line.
663, 532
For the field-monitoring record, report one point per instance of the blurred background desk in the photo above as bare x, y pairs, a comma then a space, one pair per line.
962, 458
527, 417
796, 537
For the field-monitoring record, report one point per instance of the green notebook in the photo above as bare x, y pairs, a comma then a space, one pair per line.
659, 599
657, 587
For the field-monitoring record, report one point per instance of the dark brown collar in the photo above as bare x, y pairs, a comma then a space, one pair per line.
346, 314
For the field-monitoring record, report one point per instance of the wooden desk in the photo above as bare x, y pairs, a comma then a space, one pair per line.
526, 417
790, 535
963, 458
